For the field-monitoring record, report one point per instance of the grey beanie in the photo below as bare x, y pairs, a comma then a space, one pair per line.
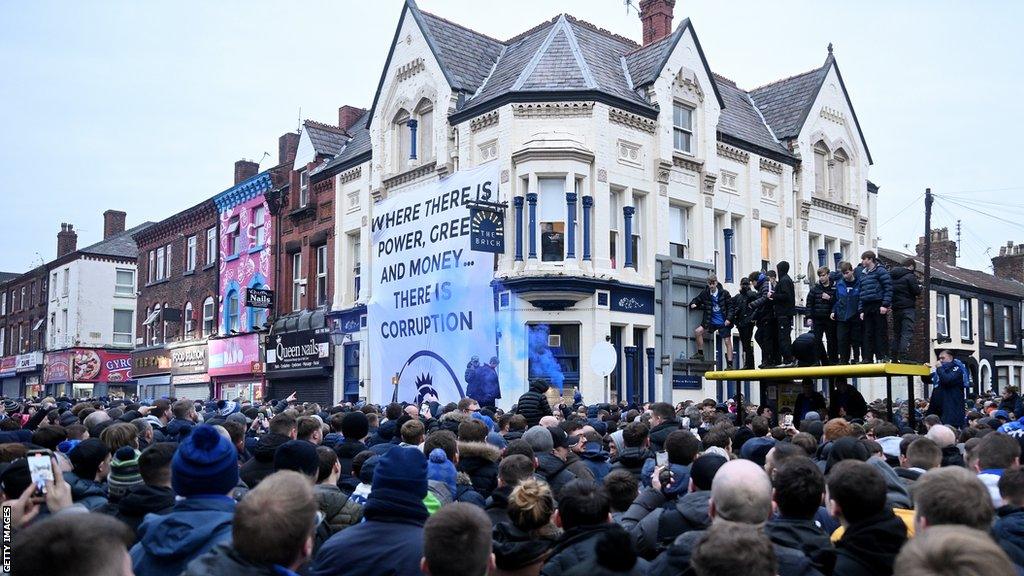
539, 438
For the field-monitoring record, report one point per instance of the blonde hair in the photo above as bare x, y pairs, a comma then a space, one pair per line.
120, 435
531, 505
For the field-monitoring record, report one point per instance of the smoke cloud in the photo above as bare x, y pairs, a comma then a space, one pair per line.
542, 362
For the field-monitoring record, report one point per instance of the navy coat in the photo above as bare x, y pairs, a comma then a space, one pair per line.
950, 381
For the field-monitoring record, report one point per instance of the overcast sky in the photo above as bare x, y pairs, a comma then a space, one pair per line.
145, 106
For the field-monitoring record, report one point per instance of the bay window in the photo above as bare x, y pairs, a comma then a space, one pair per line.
678, 217
552, 218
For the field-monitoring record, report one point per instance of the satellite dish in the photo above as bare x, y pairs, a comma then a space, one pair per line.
603, 358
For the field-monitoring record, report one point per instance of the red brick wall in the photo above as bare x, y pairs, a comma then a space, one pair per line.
303, 232
656, 17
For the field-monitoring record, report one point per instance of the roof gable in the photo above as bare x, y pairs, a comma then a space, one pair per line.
325, 139
356, 151
646, 63
558, 62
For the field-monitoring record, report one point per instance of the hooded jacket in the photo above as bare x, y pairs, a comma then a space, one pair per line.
596, 459
741, 314
1009, 532
818, 307
847, 301
554, 471
656, 531
577, 546
632, 460
168, 543
373, 547
950, 382
876, 286
178, 429
784, 300
262, 463
222, 560
869, 548
479, 460
806, 536
88, 493
896, 494
347, 450
660, 433
497, 505
706, 304
515, 549
905, 288
141, 500
533, 404
676, 560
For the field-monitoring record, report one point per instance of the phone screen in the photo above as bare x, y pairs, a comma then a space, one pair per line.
787, 420
662, 458
40, 470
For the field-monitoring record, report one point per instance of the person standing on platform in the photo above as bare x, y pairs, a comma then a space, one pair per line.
905, 290
783, 302
845, 313
950, 380
875, 302
767, 335
820, 301
743, 318
485, 388
714, 302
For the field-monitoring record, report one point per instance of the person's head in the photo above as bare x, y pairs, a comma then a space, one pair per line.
952, 495
798, 488
855, 491
946, 356
74, 545
310, 429
399, 483
782, 267
779, 455
393, 411
468, 406
868, 259
183, 409
412, 432
744, 284
682, 447
457, 541
582, 503
76, 432
531, 505
837, 428
1011, 487
622, 487
636, 435
909, 264
283, 424
205, 463
713, 281
923, 453
90, 460
472, 430
847, 270
539, 438
942, 435
124, 472
514, 469
155, 464
355, 426
805, 441
93, 420
759, 426
823, 276
716, 553
446, 441
998, 452
741, 492
717, 437
661, 412
119, 435
952, 551
274, 524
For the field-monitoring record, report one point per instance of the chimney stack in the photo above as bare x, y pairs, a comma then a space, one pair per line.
1010, 262
943, 249
347, 116
656, 16
113, 223
287, 144
67, 240
245, 169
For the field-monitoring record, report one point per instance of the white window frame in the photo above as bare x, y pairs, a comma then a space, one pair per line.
161, 263
639, 215
234, 236
190, 253
683, 129
297, 281
151, 271
209, 317
552, 211
125, 337
187, 320
121, 289
169, 261
234, 304
679, 224
942, 314
615, 202
259, 221
966, 330
990, 335
321, 275
1008, 327
303, 188
356, 265
211, 245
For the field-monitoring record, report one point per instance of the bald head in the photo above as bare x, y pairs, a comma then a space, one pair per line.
742, 492
942, 435
549, 421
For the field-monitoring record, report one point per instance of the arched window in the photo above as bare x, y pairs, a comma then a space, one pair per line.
821, 169
232, 312
209, 317
149, 325
425, 130
401, 136
156, 325
838, 175
188, 319
163, 327
258, 316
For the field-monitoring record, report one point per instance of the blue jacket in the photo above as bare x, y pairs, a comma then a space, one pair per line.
847, 304
597, 460
178, 429
1009, 532
876, 286
484, 387
372, 547
947, 401
168, 543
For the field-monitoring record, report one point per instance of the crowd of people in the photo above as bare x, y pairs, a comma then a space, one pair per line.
285, 487
848, 310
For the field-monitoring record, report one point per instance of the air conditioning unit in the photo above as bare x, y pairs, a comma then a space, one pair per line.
554, 340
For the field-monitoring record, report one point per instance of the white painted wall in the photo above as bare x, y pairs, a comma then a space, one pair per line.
90, 303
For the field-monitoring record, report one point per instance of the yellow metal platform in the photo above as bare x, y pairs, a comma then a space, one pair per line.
845, 370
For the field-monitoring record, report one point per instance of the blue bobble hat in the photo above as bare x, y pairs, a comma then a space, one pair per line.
205, 463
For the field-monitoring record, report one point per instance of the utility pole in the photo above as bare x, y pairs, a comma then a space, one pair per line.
957, 238
928, 199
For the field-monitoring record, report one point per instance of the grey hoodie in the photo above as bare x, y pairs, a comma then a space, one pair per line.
896, 495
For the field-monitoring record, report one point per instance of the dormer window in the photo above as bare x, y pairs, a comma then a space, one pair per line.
682, 128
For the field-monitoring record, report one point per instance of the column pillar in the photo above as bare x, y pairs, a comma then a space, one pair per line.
517, 202
570, 240
588, 203
531, 201
728, 234
413, 124
822, 253
630, 376
838, 257
627, 215
650, 375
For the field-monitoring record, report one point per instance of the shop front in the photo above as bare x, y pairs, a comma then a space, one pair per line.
10, 382
152, 370
300, 359
88, 372
236, 367
189, 370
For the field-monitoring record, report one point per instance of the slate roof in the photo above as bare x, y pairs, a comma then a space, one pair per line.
740, 119
8, 276
465, 55
785, 103
326, 139
121, 245
957, 275
358, 143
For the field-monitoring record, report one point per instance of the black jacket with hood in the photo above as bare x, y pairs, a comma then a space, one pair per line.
533, 404
869, 547
705, 304
784, 299
905, 288
817, 306
479, 460
806, 536
262, 464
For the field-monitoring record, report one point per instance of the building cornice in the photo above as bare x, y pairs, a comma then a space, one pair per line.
243, 192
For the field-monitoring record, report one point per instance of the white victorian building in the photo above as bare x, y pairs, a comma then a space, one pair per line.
612, 154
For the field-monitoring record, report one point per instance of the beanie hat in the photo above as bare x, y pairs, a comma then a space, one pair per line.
67, 446
229, 407
124, 472
297, 455
205, 463
11, 406
539, 438
369, 467
440, 469
87, 457
399, 486
68, 419
703, 470
485, 419
15, 478
355, 426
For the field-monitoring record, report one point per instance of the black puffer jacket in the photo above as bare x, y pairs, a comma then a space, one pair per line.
262, 464
577, 546
479, 460
806, 536
741, 314
141, 500
676, 560
784, 299
869, 547
222, 560
632, 460
705, 303
817, 306
533, 405
905, 288
660, 433
347, 450
554, 471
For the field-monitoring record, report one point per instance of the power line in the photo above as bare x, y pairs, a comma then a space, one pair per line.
975, 209
904, 209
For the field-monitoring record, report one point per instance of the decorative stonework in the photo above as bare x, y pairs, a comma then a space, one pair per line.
833, 115
805, 210
862, 225
664, 171
686, 80
487, 151
709, 183
351, 175
708, 202
732, 153
323, 186
552, 109
663, 189
629, 152
768, 192
484, 121
630, 120
409, 176
789, 222
771, 166
687, 163
728, 179
803, 225
504, 176
411, 69
755, 214
602, 175
833, 206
